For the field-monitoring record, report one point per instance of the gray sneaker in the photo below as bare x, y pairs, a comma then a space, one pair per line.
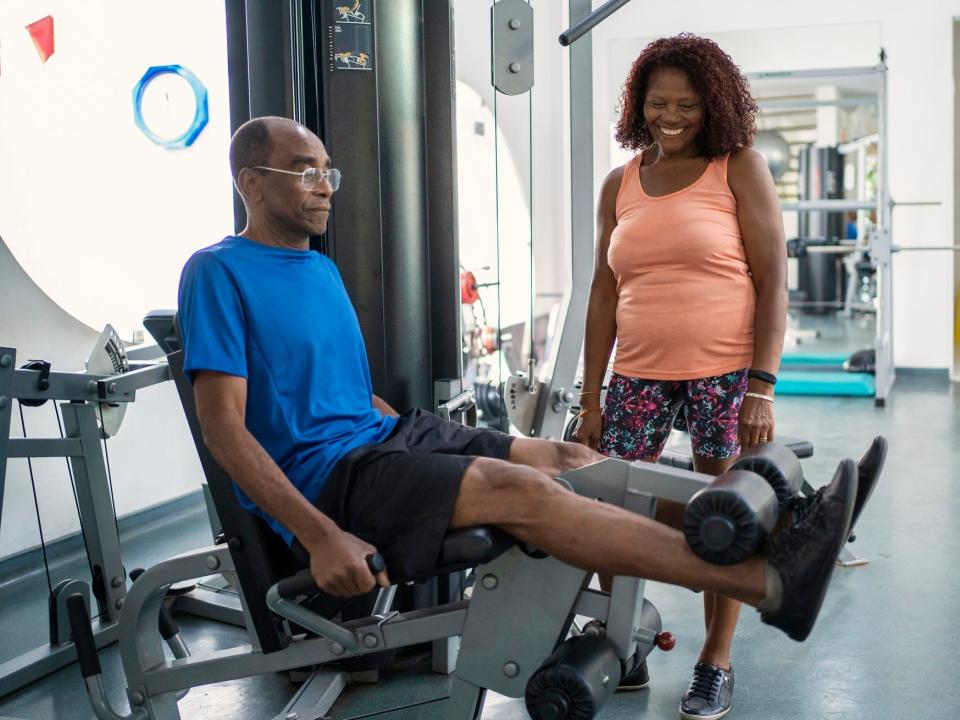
710, 693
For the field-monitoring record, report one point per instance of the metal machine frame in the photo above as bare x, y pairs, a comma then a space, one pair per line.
508, 593
508, 628
79, 394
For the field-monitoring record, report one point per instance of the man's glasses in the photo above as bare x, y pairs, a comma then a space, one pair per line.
311, 178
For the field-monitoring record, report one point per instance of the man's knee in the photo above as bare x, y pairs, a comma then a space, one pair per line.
574, 455
500, 492
503, 478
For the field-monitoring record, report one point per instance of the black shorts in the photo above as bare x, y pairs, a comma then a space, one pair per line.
398, 495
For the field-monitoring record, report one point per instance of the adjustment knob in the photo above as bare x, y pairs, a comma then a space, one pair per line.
666, 641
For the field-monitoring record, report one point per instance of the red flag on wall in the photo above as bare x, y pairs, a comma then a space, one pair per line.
42, 33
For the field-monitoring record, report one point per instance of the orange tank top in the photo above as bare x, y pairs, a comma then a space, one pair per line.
686, 298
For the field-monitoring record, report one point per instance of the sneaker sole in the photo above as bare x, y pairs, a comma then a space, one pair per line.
847, 476
688, 716
868, 472
633, 687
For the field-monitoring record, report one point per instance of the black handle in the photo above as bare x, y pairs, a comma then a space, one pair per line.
303, 583
83, 635
300, 584
168, 626
376, 563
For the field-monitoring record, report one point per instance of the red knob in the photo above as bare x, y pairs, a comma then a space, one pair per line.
666, 641
469, 293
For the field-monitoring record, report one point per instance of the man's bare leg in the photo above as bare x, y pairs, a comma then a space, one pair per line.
668, 512
593, 535
551, 457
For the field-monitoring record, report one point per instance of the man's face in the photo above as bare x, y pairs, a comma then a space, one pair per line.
285, 200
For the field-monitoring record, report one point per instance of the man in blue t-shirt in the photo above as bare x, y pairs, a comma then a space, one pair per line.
283, 393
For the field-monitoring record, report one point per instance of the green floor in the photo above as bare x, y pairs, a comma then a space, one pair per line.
885, 645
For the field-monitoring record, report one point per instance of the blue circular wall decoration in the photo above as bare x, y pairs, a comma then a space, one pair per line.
200, 115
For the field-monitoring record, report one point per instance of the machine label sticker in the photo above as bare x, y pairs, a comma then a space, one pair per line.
352, 35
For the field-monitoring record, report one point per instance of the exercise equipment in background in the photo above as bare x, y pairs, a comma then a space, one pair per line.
828, 374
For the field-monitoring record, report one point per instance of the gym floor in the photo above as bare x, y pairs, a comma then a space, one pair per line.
883, 648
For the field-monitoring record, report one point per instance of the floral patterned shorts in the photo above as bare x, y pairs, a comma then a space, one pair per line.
638, 415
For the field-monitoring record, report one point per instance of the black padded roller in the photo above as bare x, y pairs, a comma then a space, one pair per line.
776, 463
727, 521
575, 681
83, 635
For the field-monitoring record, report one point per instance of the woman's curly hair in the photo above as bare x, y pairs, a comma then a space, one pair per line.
729, 109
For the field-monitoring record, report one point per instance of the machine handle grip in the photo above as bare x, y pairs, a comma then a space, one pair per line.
303, 583
83, 635
376, 563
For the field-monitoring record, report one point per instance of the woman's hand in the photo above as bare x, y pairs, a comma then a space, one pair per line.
587, 431
756, 422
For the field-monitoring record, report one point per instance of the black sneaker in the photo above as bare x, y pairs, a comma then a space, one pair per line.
868, 472
710, 693
636, 679
805, 553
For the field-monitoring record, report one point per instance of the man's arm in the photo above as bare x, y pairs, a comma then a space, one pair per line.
221, 407
384, 408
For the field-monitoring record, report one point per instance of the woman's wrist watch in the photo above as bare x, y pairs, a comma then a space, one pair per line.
762, 375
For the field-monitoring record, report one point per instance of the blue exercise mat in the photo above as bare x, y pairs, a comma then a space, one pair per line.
825, 382
813, 359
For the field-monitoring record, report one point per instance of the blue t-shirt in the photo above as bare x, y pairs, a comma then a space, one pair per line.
282, 319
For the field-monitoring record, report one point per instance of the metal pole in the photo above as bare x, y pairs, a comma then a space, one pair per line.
8, 365
572, 34
270, 70
830, 205
97, 514
552, 410
916, 248
826, 72
439, 97
295, 54
881, 252
403, 205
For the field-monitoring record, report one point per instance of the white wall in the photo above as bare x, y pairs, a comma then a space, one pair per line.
96, 222
917, 38
83, 193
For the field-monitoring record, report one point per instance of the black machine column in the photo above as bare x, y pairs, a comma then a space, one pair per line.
375, 80
264, 65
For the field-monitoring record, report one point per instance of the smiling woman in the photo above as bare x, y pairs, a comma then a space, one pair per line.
689, 280
715, 88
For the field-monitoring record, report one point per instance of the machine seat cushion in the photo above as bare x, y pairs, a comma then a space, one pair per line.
471, 547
